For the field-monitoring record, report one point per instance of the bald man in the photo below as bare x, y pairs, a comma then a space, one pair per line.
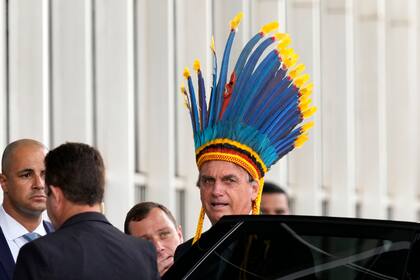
24, 200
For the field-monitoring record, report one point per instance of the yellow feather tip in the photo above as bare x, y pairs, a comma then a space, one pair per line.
196, 65
303, 107
183, 88
297, 71
285, 52
307, 126
301, 80
236, 20
186, 73
291, 60
309, 112
307, 90
304, 101
269, 27
284, 40
212, 46
301, 140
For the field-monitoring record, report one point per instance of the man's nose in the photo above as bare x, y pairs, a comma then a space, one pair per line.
217, 188
39, 182
158, 245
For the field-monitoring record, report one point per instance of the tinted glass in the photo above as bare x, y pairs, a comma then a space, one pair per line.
293, 251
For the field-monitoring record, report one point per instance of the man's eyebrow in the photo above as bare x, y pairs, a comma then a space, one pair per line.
166, 228
206, 177
229, 176
25, 170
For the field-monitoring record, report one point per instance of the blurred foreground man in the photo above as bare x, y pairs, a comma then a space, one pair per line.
154, 222
274, 200
22, 181
85, 245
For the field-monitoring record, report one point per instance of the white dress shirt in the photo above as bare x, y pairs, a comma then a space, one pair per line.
14, 231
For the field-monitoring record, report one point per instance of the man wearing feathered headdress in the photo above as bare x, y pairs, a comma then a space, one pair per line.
250, 122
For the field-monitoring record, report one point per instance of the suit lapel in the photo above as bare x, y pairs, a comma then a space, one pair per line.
6, 258
48, 227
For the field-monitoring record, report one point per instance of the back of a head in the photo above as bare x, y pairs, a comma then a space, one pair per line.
78, 170
141, 210
273, 188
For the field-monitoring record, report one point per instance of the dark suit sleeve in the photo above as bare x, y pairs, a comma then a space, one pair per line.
182, 249
30, 264
150, 251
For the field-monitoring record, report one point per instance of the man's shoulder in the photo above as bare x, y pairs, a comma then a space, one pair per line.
182, 249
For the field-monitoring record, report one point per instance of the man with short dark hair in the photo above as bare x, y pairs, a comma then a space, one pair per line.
154, 222
274, 200
22, 181
85, 245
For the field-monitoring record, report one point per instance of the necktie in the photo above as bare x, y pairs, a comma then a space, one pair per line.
31, 236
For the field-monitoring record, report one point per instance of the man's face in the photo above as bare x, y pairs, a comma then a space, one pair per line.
274, 204
23, 181
225, 189
161, 231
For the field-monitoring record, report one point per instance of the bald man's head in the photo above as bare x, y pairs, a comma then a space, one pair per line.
12, 147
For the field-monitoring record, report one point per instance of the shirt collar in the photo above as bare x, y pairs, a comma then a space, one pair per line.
13, 229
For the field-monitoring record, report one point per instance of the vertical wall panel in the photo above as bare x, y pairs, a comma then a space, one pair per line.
371, 154
141, 29
29, 69
303, 24
72, 71
3, 77
401, 106
337, 107
161, 91
114, 68
3, 81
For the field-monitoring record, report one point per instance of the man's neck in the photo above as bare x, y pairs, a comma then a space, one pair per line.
28, 221
72, 209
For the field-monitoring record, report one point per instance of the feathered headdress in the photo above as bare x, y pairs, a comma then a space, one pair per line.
252, 119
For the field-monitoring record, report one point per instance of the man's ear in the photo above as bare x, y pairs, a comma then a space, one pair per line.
179, 232
56, 194
3, 182
255, 186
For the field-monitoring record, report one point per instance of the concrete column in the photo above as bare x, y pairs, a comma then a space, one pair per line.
114, 89
370, 106
305, 164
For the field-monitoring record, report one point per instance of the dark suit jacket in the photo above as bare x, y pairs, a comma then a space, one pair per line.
184, 247
7, 263
87, 246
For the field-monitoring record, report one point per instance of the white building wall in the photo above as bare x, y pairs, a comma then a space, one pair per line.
108, 73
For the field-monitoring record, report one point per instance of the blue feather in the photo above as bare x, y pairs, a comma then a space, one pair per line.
245, 53
213, 91
261, 101
223, 76
246, 73
264, 72
276, 103
193, 103
202, 100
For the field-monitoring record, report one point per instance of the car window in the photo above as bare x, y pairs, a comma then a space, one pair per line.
279, 250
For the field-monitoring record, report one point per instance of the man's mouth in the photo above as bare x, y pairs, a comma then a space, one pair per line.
218, 205
39, 196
